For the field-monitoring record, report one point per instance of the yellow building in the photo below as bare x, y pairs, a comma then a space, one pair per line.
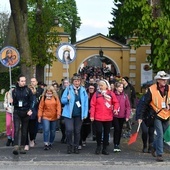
124, 61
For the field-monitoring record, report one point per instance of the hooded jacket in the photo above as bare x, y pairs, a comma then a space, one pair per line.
69, 104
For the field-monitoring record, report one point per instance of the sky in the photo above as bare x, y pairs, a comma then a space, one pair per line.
94, 14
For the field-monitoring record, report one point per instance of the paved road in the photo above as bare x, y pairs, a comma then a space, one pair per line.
36, 158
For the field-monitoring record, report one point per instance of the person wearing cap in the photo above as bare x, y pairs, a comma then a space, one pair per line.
75, 110
9, 116
103, 106
158, 97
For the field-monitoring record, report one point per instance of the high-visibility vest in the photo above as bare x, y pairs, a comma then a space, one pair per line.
158, 101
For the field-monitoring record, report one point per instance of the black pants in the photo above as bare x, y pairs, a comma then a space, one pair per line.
118, 126
63, 128
102, 127
31, 133
21, 119
147, 134
85, 131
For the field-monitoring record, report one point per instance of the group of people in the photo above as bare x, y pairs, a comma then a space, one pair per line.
80, 106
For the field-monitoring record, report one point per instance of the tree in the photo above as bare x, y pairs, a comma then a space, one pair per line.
68, 16
41, 20
19, 14
42, 15
150, 22
4, 19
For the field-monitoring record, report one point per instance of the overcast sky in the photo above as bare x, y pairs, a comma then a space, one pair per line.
94, 15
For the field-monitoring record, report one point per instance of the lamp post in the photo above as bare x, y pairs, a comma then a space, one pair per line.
101, 53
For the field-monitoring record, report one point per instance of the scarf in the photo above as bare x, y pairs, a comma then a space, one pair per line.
76, 89
105, 95
48, 96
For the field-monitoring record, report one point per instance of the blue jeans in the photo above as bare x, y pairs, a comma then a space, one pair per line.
73, 127
49, 130
160, 127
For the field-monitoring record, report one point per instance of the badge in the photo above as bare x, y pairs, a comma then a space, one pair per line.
163, 105
107, 105
20, 103
78, 104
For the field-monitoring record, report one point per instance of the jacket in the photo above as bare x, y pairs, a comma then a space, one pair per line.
157, 100
99, 110
69, 104
147, 101
125, 109
34, 108
23, 94
49, 108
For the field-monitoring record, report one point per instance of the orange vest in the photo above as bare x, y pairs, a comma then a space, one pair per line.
157, 102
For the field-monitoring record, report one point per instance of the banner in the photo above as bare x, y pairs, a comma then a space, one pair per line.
66, 53
9, 56
146, 74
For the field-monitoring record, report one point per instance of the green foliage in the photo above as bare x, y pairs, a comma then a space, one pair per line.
5, 80
151, 24
41, 18
4, 18
68, 17
2, 121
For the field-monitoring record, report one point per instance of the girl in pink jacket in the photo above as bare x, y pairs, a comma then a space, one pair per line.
123, 115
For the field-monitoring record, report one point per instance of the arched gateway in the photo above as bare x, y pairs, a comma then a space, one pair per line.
118, 57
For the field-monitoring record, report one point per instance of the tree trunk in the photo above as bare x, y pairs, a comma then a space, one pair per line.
19, 14
40, 73
11, 39
39, 68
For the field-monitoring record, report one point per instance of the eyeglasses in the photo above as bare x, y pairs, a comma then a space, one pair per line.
91, 88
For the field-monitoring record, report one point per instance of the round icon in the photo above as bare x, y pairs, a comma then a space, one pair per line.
9, 56
66, 53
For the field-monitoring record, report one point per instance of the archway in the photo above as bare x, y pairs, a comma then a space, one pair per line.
95, 65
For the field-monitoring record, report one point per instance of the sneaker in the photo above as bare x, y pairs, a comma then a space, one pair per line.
32, 143
76, 150
21, 150
145, 150
16, 150
50, 146
26, 147
46, 147
83, 143
159, 158
98, 150
116, 149
80, 147
9, 141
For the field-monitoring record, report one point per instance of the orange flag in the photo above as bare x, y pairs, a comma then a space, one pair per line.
134, 136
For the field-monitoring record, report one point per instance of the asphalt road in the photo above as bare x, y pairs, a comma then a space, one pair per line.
131, 157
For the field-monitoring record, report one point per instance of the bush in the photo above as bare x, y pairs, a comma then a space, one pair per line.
5, 79
2, 121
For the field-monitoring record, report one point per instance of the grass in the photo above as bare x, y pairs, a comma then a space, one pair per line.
2, 97
2, 121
